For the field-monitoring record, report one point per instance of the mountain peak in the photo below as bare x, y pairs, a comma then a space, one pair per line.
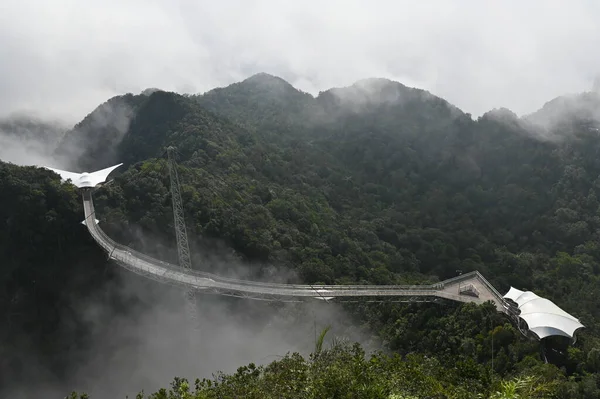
502, 113
149, 91
375, 92
267, 81
583, 107
264, 77
369, 83
261, 85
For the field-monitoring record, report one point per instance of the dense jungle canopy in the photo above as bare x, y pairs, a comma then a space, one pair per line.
376, 183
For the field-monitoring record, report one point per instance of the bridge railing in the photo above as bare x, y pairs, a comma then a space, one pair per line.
179, 277
111, 247
492, 289
460, 278
484, 281
133, 257
168, 270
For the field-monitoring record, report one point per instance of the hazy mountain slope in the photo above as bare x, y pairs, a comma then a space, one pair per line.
567, 115
170, 119
131, 128
32, 129
92, 143
373, 183
27, 140
384, 151
47, 269
265, 103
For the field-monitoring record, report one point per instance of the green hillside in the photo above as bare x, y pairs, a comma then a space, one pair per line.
46, 266
374, 183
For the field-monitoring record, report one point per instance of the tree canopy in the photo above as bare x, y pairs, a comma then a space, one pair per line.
374, 183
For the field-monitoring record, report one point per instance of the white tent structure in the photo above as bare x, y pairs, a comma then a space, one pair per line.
542, 316
85, 179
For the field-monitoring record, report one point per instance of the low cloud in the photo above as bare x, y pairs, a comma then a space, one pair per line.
141, 338
151, 343
29, 141
63, 58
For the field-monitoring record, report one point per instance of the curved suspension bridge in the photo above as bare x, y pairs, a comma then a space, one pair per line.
468, 287
543, 315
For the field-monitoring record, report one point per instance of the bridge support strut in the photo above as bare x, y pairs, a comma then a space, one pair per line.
183, 248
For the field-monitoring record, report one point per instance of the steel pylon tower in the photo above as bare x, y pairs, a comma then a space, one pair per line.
183, 248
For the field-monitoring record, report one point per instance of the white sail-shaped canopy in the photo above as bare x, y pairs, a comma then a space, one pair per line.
85, 179
542, 316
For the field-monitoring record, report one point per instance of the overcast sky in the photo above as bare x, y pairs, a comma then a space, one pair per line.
61, 58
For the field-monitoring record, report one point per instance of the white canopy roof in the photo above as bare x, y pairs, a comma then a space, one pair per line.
85, 179
542, 316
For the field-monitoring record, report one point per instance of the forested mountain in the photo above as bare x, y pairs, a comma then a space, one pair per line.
46, 267
565, 114
373, 183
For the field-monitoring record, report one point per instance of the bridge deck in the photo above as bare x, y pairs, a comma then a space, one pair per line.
468, 287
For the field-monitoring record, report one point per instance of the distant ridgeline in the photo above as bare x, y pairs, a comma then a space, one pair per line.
375, 184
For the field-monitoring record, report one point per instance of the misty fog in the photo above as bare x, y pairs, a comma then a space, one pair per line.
147, 345
150, 341
145, 349
518, 58
59, 60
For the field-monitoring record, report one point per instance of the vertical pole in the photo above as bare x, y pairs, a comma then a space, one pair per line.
183, 248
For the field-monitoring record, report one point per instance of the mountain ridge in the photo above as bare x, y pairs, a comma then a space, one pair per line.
273, 96
398, 187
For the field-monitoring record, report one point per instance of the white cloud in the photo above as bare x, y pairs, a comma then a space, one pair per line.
62, 58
